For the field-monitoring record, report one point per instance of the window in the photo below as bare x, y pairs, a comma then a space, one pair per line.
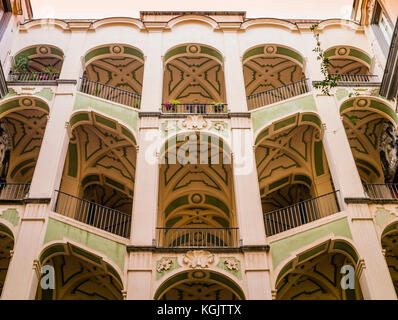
382, 27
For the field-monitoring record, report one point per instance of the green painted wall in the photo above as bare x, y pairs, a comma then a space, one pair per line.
57, 230
282, 249
11, 215
268, 114
129, 117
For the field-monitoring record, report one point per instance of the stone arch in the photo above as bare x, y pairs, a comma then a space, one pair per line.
199, 285
192, 18
39, 58
7, 243
193, 73
307, 274
269, 66
117, 65
23, 120
80, 274
370, 124
197, 193
389, 243
348, 60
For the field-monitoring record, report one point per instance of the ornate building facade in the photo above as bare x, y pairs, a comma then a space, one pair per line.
198, 155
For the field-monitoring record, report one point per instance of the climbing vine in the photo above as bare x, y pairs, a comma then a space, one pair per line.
329, 81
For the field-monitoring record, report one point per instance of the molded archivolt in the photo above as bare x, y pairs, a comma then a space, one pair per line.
290, 159
6, 245
100, 165
389, 243
348, 60
196, 191
41, 56
316, 273
270, 66
116, 65
193, 73
199, 285
23, 121
370, 124
79, 275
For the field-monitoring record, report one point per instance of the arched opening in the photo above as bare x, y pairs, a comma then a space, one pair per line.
37, 63
97, 185
272, 73
22, 124
294, 178
349, 64
370, 125
389, 243
114, 72
78, 275
317, 274
193, 80
6, 246
199, 285
196, 194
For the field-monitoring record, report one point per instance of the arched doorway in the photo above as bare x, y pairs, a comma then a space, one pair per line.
97, 185
317, 274
6, 245
79, 275
196, 194
389, 243
294, 178
199, 285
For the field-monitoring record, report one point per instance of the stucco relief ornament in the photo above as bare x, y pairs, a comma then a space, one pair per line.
194, 122
164, 265
388, 148
231, 264
219, 126
198, 259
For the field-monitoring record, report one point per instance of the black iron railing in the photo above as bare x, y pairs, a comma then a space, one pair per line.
110, 93
267, 97
301, 213
382, 190
13, 191
355, 77
200, 237
194, 108
33, 76
93, 214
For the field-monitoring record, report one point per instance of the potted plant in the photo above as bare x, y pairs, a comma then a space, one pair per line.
172, 105
52, 73
21, 65
218, 106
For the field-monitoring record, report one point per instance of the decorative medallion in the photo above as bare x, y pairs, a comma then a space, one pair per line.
43, 50
269, 50
116, 49
231, 265
194, 122
27, 102
196, 198
198, 259
362, 102
193, 49
342, 51
166, 265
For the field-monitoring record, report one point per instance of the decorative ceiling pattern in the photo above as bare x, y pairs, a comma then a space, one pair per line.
41, 57
266, 73
76, 279
194, 75
390, 244
26, 129
6, 245
104, 164
196, 195
348, 60
317, 279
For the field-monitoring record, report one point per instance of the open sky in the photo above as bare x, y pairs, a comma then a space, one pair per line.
305, 9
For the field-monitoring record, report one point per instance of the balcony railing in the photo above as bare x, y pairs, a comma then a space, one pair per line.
267, 97
93, 214
13, 191
197, 237
382, 191
194, 108
301, 213
33, 76
355, 77
110, 93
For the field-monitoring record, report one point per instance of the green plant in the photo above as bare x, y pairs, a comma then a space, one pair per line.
329, 81
175, 102
51, 69
22, 63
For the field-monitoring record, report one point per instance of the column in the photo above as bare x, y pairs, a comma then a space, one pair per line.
373, 273
247, 194
23, 274
233, 71
50, 163
152, 86
340, 159
145, 203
